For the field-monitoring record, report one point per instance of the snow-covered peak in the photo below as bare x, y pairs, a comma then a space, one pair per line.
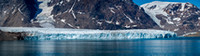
157, 5
173, 15
156, 8
166, 9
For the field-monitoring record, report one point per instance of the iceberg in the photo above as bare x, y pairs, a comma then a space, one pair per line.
88, 34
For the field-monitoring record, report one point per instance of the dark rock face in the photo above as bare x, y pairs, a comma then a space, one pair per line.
78, 14
179, 17
11, 36
99, 14
15, 13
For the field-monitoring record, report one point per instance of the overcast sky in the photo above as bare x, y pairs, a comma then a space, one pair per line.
195, 2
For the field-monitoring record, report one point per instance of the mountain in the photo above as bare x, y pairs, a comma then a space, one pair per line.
183, 18
77, 14
95, 14
17, 13
174, 16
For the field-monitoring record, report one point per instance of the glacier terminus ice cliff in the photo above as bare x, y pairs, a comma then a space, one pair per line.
88, 34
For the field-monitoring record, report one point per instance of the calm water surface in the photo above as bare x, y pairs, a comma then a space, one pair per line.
147, 47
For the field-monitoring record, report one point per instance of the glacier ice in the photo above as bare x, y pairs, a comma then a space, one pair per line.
61, 33
45, 19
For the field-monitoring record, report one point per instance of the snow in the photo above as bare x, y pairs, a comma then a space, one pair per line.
20, 10
47, 25
176, 29
169, 21
111, 9
177, 19
131, 21
99, 23
73, 14
61, 2
72, 7
45, 18
109, 22
127, 26
199, 18
93, 18
61, 33
22, 19
189, 5
14, 11
63, 20
134, 25
189, 33
68, 0
80, 12
4, 12
71, 10
118, 7
117, 23
70, 25
159, 9
182, 6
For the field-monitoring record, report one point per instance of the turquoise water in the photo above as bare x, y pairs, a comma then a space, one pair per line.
138, 47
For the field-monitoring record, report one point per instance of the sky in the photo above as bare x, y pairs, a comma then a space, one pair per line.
195, 2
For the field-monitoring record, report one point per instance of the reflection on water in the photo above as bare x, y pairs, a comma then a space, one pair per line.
101, 48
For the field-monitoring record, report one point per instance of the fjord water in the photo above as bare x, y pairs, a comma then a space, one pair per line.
137, 47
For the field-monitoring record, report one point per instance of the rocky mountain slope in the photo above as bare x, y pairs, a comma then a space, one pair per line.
17, 13
174, 16
100, 14
95, 14
77, 14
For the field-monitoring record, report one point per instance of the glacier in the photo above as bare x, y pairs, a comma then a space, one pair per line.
88, 34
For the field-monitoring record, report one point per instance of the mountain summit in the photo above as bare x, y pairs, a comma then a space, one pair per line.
174, 16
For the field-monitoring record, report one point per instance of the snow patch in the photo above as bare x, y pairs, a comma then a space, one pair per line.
127, 26
45, 18
199, 18
182, 6
99, 23
61, 2
14, 11
22, 19
93, 18
63, 20
80, 12
131, 21
117, 23
20, 10
134, 25
170, 22
68, 0
190, 33
73, 14
177, 19
176, 29
109, 22
4, 12
111, 9
118, 7
72, 6
70, 25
